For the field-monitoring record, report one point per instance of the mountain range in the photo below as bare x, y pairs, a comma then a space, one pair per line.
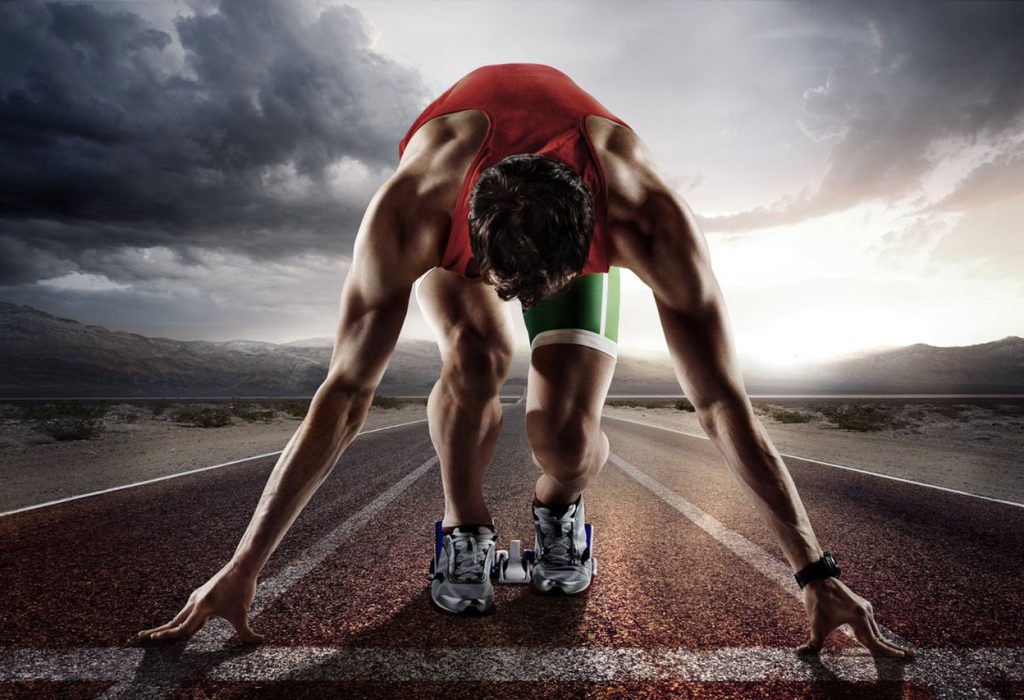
42, 355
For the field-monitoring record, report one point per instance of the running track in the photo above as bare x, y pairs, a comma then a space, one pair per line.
692, 599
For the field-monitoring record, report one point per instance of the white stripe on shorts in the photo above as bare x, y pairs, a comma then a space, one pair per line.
576, 336
604, 303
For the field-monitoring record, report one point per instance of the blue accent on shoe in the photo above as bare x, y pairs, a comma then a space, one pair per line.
438, 539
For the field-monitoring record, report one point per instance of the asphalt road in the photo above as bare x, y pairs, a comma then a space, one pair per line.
692, 596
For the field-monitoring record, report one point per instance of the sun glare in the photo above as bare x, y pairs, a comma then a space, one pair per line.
817, 335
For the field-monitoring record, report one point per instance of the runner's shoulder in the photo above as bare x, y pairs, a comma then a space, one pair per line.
445, 142
629, 167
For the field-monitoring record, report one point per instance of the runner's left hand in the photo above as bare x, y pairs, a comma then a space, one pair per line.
830, 603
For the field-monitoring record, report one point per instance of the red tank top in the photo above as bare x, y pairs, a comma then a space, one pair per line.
530, 108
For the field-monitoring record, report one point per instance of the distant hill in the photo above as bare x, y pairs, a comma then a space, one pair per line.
44, 355
996, 367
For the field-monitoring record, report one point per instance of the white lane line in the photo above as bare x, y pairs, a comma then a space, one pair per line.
217, 631
777, 571
933, 666
583, 664
746, 550
836, 466
759, 559
272, 588
178, 474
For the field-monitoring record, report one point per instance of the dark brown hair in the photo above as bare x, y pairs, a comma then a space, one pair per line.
531, 219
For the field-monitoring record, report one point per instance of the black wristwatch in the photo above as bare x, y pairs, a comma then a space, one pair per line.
823, 568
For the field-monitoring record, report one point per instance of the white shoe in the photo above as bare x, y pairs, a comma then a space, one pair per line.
563, 560
460, 572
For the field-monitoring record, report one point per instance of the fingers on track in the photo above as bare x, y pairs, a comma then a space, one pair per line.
865, 629
178, 619
192, 624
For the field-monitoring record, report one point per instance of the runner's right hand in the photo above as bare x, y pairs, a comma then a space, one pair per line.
228, 594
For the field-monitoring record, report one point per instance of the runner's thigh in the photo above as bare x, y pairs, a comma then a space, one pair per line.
574, 345
459, 309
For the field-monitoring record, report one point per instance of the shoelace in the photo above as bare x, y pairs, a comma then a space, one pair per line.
469, 558
556, 539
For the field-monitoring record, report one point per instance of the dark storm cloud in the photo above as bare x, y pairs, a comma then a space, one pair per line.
909, 76
115, 133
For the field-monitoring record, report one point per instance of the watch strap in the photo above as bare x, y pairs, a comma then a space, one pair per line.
825, 567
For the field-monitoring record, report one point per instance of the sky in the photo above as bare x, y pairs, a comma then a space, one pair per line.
198, 169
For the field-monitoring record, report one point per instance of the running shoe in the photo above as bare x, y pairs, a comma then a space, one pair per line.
461, 570
563, 561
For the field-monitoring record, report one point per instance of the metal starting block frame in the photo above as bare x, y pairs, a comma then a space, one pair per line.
512, 565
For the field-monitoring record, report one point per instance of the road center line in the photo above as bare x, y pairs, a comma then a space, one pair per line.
751, 553
178, 474
739, 545
218, 631
834, 465
272, 588
771, 567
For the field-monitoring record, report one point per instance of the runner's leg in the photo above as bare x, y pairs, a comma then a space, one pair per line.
473, 327
574, 340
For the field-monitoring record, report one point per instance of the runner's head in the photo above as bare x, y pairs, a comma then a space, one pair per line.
530, 223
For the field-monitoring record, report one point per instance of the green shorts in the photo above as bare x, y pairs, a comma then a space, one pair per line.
587, 313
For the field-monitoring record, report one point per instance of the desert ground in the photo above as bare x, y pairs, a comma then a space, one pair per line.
53, 450
973, 445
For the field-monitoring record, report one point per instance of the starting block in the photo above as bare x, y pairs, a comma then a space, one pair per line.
510, 566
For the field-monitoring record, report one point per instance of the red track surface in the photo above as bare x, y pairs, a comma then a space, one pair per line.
942, 570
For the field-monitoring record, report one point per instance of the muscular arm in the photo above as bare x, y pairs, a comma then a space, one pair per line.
696, 325
374, 301
671, 256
